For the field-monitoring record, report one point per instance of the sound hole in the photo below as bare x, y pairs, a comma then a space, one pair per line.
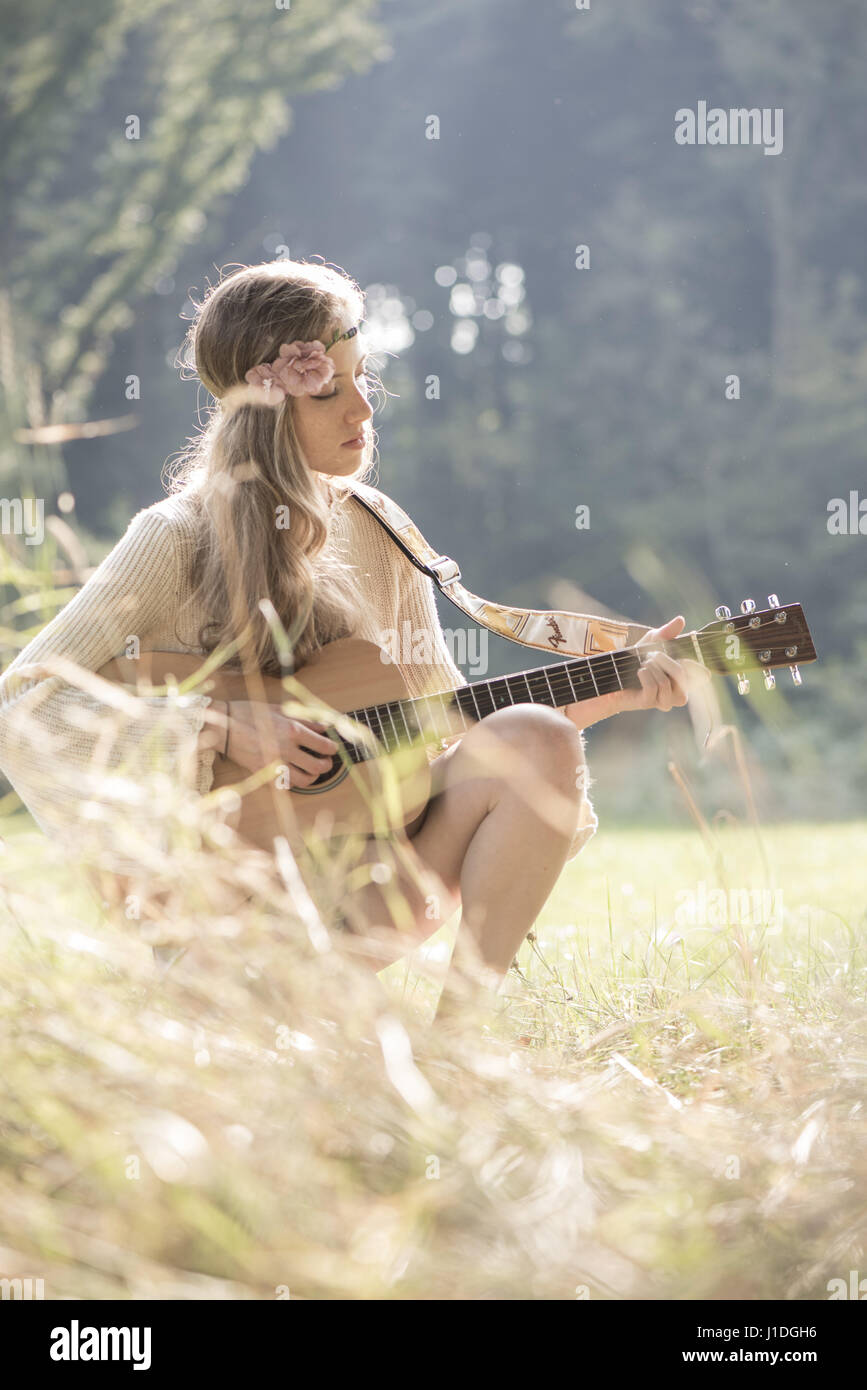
326, 776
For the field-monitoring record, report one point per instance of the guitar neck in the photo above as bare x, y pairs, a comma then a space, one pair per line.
564, 684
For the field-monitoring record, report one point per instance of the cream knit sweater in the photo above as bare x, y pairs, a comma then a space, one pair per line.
55, 735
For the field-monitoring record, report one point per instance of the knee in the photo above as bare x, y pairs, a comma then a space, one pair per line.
548, 740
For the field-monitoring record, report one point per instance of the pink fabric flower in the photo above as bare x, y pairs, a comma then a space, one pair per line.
302, 369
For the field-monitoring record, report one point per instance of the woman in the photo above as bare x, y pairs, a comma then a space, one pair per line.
257, 513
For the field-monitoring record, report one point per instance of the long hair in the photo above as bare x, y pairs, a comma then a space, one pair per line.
245, 470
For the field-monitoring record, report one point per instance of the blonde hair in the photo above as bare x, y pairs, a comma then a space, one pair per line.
246, 463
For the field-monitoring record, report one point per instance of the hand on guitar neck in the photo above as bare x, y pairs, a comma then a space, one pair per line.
664, 682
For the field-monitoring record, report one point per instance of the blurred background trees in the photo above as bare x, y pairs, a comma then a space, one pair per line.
522, 386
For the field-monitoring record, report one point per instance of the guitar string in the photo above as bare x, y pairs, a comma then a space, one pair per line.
564, 683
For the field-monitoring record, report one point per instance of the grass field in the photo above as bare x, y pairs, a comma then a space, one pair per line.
669, 1103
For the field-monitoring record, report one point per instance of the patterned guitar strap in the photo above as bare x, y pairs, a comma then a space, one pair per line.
572, 634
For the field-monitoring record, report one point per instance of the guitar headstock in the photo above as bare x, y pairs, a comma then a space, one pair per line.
756, 639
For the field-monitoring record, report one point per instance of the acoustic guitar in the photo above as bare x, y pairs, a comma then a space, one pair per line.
380, 777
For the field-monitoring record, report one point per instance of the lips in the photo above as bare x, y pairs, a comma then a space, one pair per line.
356, 439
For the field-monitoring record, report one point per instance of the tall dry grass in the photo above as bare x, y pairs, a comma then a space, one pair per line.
653, 1112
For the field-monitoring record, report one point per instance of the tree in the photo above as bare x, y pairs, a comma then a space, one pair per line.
126, 124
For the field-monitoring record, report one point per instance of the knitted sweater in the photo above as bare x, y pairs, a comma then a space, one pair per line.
55, 735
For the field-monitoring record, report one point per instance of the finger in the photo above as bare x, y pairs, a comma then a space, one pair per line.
664, 633
305, 732
671, 671
307, 762
297, 778
664, 699
678, 679
650, 684
661, 695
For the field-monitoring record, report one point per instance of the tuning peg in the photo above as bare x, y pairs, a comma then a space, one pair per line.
748, 606
773, 601
770, 680
722, 611
796, 675
743, 683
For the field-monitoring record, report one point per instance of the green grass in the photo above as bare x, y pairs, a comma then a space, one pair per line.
662, 1108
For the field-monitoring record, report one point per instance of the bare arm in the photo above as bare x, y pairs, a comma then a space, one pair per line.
58, 732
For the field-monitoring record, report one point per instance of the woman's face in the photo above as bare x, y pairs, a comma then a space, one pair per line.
339, 413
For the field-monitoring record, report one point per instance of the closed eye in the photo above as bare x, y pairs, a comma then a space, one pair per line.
331, 394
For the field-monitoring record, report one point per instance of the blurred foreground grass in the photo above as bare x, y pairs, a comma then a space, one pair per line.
667, 1106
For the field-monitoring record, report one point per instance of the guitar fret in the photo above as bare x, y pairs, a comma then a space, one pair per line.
426, 720
363, 717
495, 691
378, 732
387, 709
352, 750
582, 672
449, 704
430, 708
550, 691
484, 692
403, 717
535, 694
600, 663
593, 676
466, 704
445, 713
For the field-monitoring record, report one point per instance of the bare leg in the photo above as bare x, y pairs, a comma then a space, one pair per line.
496, 835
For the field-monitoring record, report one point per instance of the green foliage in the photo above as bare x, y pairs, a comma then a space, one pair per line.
128, 125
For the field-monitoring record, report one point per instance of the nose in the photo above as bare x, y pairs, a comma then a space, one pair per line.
359, 407
360, 414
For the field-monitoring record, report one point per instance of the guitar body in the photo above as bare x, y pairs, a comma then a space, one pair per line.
387, 792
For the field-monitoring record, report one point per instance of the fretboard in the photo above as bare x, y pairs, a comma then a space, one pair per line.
400, 721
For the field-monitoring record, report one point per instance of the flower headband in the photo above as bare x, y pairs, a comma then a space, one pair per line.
301, 369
